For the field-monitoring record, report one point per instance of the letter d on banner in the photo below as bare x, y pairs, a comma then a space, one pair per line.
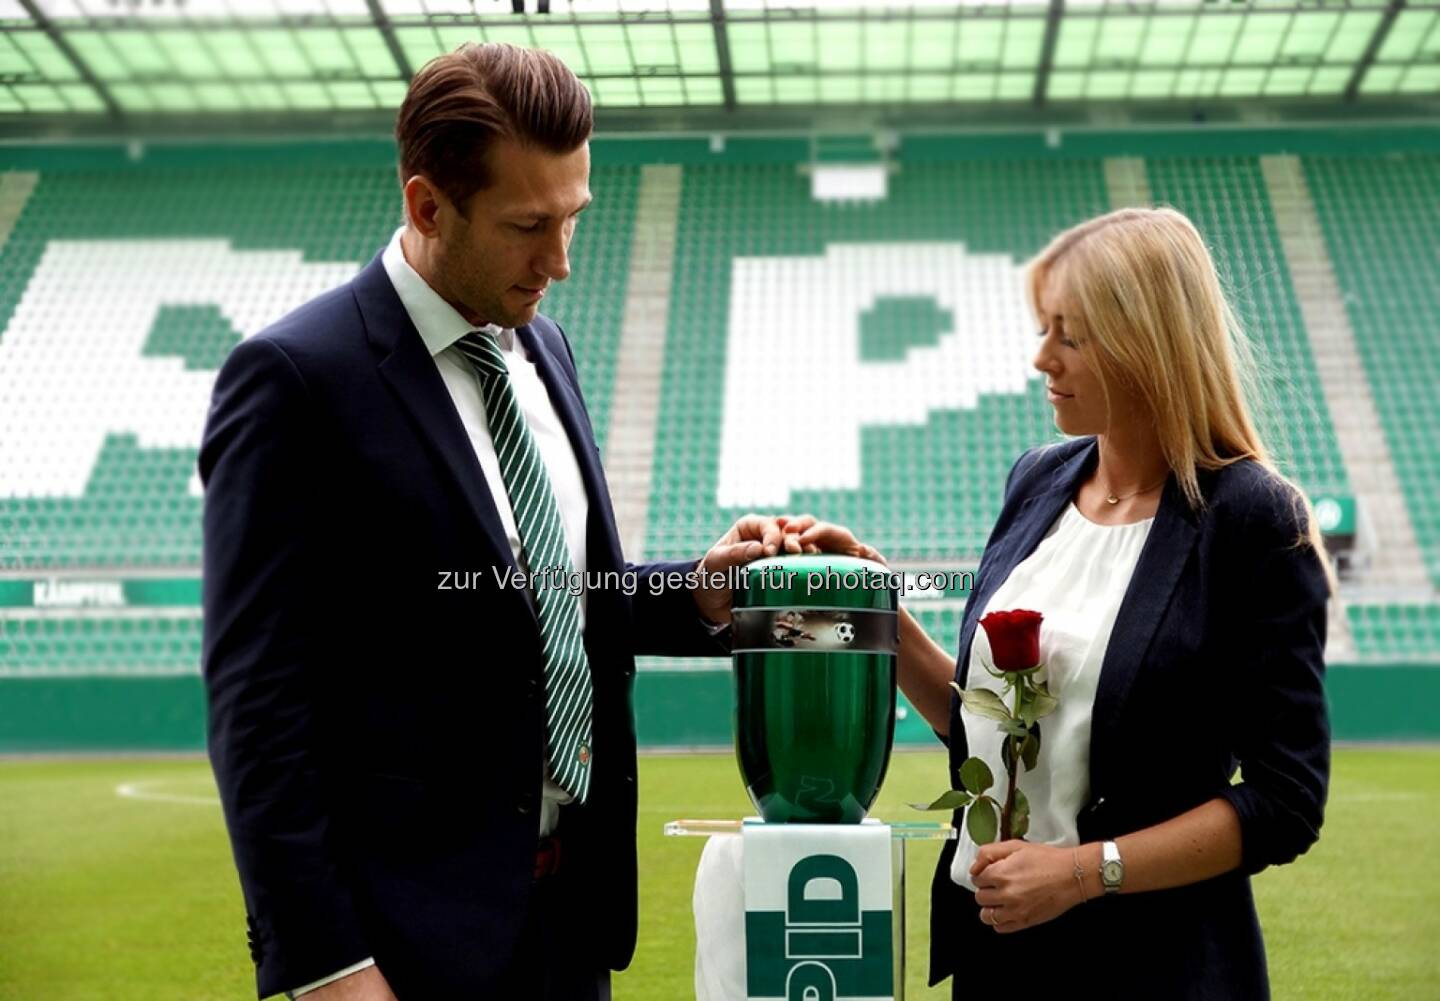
819, 924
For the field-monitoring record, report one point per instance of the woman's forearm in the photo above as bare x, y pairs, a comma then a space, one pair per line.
1197, 845
925, 670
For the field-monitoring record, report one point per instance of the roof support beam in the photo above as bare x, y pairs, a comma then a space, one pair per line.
1047, 50
1372, 48
392, 42
722, 53
667, 73
43, 22
899, 12
937, 117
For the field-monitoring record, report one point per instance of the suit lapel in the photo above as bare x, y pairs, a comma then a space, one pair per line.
1034, 516
564, 397
1162, 559
406, 365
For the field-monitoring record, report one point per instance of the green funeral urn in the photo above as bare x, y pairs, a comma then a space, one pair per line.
814, 655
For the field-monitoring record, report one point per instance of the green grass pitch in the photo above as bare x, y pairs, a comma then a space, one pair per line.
111, 897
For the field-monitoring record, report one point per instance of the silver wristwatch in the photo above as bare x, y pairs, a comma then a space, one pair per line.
1112, 867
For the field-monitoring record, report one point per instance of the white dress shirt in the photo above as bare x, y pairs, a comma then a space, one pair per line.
440, 326
1076, 578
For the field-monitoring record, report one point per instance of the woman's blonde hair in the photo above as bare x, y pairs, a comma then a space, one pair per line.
1155, 319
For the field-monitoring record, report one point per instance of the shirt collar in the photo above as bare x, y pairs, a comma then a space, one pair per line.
438, 322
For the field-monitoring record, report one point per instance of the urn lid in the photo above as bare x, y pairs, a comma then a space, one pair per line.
820, 580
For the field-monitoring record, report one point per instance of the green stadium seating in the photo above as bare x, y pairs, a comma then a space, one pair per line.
1395, 631
1381, 218
928, 490
940, 621
918, 500
137, 507
1226, 199
57, 645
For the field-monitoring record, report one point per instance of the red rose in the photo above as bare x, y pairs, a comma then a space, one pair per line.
1014, 638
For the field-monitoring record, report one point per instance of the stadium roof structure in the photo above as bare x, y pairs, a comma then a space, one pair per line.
86, 66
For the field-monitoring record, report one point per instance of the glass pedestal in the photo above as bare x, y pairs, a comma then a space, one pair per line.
900, 835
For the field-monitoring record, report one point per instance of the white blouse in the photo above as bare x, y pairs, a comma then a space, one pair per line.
1076, 578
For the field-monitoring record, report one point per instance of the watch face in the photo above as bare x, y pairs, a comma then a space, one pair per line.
1112, 872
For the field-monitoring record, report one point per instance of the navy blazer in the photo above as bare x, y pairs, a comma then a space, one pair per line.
1216, 659
377, 738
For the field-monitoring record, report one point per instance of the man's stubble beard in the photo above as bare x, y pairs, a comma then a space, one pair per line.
458, 283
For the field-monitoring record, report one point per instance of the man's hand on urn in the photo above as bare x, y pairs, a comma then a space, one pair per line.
827, 537
751, 538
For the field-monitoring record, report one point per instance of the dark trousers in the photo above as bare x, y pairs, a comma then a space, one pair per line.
550, 962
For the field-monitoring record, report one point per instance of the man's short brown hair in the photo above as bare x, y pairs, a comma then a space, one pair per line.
461, 102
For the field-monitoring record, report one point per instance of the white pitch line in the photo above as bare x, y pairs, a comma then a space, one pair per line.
142, 790
1375, 797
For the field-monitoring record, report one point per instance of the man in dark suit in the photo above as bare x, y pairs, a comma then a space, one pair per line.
419, 627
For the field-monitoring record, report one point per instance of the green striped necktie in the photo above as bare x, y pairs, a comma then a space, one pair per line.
542, 541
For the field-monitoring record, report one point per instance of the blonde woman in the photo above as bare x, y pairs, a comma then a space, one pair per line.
1184, 590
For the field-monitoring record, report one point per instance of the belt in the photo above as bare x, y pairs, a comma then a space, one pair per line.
547, 857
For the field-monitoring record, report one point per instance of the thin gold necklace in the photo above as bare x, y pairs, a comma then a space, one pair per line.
1110, 497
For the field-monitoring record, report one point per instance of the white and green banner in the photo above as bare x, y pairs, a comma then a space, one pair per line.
818, 912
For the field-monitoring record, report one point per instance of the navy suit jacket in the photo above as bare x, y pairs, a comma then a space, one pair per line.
1216, 660
378, 739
